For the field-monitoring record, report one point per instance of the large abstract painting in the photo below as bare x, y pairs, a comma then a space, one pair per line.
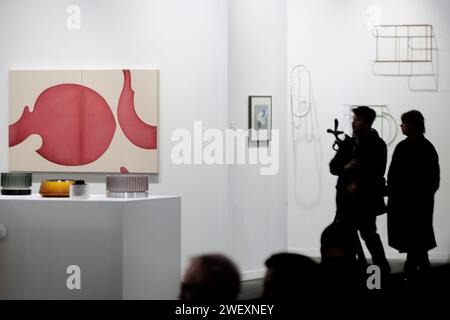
84, 120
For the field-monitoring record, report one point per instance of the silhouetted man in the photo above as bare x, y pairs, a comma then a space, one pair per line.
360, 164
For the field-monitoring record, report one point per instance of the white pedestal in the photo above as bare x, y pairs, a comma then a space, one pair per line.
125, 248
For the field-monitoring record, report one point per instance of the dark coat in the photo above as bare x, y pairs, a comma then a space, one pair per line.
413, 179
371, 153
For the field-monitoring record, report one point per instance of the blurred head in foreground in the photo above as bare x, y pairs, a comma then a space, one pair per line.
289, 275
211, 277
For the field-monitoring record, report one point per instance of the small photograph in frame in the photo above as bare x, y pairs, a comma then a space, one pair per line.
260, 118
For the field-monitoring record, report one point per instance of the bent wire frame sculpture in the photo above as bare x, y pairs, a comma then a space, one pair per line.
385, 122
306, 135
301, 91
409, 51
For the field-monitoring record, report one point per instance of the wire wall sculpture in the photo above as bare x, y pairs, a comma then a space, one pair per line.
301, 91
306, 142
409, 51
384, 123
301, 100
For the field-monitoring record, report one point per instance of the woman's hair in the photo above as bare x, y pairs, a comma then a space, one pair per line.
414, 119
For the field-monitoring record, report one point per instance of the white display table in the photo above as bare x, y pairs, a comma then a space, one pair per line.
125, 248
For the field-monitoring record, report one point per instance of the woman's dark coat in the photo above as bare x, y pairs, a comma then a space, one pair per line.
413, 179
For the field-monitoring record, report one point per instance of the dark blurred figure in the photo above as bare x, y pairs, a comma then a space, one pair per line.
211, 278
413, 179
339, 269
289, 276
434, 280
360, 164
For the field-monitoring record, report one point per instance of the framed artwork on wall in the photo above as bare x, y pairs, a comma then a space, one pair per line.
84, 120
260, 118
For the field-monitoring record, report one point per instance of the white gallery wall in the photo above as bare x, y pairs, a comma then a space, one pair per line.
186, 40
333, 40
211, 55
257, 66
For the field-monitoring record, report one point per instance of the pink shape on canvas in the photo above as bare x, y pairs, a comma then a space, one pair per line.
137, 131
75, 123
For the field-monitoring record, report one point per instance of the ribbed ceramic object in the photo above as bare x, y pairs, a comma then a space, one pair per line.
16, 183
126, 186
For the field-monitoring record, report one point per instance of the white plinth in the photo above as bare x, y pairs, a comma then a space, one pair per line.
125, 248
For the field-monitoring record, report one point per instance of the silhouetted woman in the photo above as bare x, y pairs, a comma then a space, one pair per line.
413, 179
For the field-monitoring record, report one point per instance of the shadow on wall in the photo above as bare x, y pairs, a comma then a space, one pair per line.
306, 139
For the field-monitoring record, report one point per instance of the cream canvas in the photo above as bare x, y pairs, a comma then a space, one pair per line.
84, 120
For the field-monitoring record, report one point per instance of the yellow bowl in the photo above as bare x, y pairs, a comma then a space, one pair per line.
55, 188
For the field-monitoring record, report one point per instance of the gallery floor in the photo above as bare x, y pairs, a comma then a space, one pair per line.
252, 289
